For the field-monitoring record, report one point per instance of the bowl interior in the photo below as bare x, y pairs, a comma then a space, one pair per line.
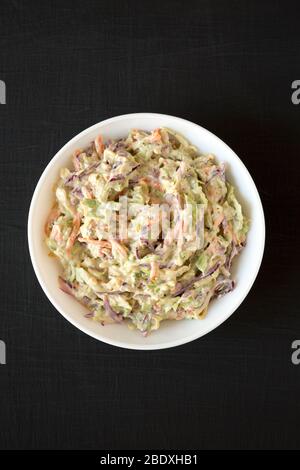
171, 333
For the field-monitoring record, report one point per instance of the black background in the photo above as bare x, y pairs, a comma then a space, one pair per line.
229, 67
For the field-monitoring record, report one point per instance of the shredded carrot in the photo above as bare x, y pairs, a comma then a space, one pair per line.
229, 231
99, 145
101, 253
101, 243
154, 270
155, 136
150, 182
218, 220
74, 234
76, 163
54, 214
56, 233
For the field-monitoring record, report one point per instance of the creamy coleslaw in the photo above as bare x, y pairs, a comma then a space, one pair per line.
136, 278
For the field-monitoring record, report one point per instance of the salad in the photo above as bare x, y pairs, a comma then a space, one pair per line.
148, 271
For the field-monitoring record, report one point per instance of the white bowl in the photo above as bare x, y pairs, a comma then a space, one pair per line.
171, 333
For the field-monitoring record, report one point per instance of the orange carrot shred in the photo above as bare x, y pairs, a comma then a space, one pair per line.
74, 234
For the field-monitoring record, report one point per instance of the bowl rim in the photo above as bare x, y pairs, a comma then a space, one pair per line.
112, 342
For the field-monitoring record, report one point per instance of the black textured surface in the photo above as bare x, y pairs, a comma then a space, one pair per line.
227, 66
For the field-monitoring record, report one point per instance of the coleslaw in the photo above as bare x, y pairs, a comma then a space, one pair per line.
138, 277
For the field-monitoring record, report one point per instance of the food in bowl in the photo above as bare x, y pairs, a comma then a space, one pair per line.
151, 268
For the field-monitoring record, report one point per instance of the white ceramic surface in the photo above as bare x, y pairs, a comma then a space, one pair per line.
171, 333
